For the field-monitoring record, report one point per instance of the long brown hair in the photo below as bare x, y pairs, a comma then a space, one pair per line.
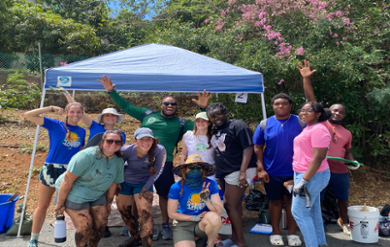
183, 177
151, 158
104, 137
68, 137
209, 133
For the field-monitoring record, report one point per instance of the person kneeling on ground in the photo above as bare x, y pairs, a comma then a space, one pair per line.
87, 188
195, 203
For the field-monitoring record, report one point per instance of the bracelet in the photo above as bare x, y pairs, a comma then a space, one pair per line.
242, 173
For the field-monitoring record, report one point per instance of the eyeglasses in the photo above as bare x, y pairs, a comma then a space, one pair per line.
218, 115
111, 141
194, 167
307, 111
170, 103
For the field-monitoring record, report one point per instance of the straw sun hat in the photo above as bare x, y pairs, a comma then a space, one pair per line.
112, 111
195, 160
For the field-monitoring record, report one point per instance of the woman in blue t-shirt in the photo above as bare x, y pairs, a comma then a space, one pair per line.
195, 203
65, 140
144, 162
105, 120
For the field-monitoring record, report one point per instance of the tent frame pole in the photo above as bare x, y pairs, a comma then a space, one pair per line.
31, 168
263, 106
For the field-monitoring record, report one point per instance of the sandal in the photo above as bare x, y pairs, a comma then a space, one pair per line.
131, 242
294, 240
225, 243
276, 240
345, 228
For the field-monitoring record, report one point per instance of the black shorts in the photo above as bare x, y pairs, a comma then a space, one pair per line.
165, 181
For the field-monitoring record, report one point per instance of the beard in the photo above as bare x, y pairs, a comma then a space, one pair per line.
167, 114
334, 121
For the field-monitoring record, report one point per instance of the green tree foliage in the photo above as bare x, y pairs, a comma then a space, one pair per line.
33, 24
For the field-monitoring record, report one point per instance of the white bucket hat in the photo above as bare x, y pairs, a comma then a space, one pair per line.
112, 111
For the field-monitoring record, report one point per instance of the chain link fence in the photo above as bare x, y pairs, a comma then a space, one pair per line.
29, 65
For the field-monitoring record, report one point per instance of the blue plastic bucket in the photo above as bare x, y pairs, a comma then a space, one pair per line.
7, 211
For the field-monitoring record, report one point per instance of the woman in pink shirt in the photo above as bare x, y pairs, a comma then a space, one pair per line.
311, 172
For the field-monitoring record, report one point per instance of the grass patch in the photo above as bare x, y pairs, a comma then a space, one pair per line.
28, 148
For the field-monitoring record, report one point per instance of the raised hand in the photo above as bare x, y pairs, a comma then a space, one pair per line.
305, 70
107, 84
203, 100
60, 90
205, 193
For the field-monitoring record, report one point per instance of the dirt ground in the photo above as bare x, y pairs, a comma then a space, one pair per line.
17, 138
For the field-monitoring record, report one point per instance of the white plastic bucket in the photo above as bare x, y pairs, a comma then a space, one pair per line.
226, 228
364, 225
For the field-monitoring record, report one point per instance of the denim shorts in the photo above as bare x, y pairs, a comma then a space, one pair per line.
132, 189
339, 182
50, 173
275, 188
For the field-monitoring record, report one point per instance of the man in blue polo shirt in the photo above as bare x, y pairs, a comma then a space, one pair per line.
274, 162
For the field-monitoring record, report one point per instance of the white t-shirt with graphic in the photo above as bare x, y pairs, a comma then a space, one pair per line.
198, 144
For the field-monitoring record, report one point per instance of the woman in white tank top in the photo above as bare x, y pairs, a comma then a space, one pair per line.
198, 141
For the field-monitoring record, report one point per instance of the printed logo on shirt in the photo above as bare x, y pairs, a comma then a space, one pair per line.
200, 147
74, 141
151, 120
194, 202
218, 141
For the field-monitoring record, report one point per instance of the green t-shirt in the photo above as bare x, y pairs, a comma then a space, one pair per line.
95, 175
167, 130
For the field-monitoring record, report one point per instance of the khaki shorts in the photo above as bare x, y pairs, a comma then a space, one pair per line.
187, 230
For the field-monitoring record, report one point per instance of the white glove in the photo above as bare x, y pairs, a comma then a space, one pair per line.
353, 166
299, 188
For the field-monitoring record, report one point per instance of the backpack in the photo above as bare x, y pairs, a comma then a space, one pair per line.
181, 120
263, 124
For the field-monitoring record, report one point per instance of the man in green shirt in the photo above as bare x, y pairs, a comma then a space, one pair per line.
165, 125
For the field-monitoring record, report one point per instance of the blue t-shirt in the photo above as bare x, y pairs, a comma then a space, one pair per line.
60, 149
190, 201
97, 128
279, 144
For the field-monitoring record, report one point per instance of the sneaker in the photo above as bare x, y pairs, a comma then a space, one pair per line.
106, 233
155, 234
125, 232
33, 243
166, 232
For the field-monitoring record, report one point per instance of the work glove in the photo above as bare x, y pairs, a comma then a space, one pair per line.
300, 187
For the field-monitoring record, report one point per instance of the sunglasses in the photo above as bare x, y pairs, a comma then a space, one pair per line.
218, 115
194, 167
334, 136
307, 111
170, 103
111, 141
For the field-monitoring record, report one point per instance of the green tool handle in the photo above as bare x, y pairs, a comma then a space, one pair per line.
344, 160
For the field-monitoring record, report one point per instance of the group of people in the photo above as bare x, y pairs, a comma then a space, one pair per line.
218, 153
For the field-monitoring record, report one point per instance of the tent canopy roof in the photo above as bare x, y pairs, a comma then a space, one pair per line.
156, 68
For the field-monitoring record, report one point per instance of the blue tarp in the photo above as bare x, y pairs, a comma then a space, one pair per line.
156, 68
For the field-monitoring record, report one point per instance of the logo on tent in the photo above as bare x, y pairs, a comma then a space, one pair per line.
64, 81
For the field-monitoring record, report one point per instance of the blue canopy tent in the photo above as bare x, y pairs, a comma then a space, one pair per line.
152, 68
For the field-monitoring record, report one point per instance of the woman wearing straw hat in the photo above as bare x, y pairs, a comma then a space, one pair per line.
105, 120
195, 203
197, 141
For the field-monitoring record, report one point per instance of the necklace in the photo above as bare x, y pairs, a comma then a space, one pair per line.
284, 122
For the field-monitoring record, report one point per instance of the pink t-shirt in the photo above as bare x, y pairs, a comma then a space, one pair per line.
314, 136
340, 142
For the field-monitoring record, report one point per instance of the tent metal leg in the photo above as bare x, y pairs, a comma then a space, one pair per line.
31, 169
263, 106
